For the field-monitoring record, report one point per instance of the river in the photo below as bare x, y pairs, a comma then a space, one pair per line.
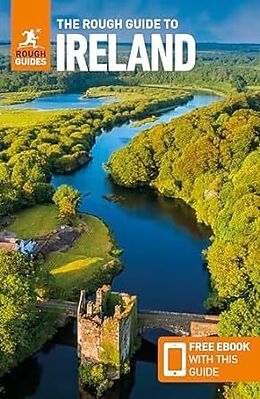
61, 101
163, 265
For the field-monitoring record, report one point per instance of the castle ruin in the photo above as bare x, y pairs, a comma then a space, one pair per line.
107, 329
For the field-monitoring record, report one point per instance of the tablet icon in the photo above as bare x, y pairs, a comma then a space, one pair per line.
174, 359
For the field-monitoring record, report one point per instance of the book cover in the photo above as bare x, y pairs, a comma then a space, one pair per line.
129, 199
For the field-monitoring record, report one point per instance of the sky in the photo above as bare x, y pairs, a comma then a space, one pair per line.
223, 21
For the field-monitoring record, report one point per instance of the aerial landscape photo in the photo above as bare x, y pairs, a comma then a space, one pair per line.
129, 209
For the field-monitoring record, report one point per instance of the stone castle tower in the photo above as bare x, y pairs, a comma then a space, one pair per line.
107, 329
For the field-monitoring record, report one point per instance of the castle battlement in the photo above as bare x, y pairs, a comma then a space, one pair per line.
107, 328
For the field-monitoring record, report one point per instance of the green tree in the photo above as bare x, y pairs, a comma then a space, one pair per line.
18, 312
67, 199
242, 390
239, 83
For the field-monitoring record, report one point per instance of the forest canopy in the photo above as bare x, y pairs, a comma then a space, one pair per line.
30, 154
210, 159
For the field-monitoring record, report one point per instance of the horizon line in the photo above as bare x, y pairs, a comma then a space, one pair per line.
198, 42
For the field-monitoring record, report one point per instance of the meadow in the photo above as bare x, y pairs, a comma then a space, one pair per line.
86, 264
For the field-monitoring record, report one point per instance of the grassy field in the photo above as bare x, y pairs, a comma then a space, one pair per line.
28, 117
133, 93
81, 267
35, 222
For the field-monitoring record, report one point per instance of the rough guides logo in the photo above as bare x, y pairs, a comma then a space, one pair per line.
31, 39
31, 48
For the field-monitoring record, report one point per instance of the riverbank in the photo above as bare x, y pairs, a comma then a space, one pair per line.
83, 256
194, 89
65, 138
22, 97
49, 322
145, 120
87, 263
136, 92
195, 169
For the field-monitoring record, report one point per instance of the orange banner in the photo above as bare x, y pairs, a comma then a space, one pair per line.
208, 359
30, 35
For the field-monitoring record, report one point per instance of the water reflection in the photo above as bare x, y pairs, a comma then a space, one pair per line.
34, 380
23, 382
145, 200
